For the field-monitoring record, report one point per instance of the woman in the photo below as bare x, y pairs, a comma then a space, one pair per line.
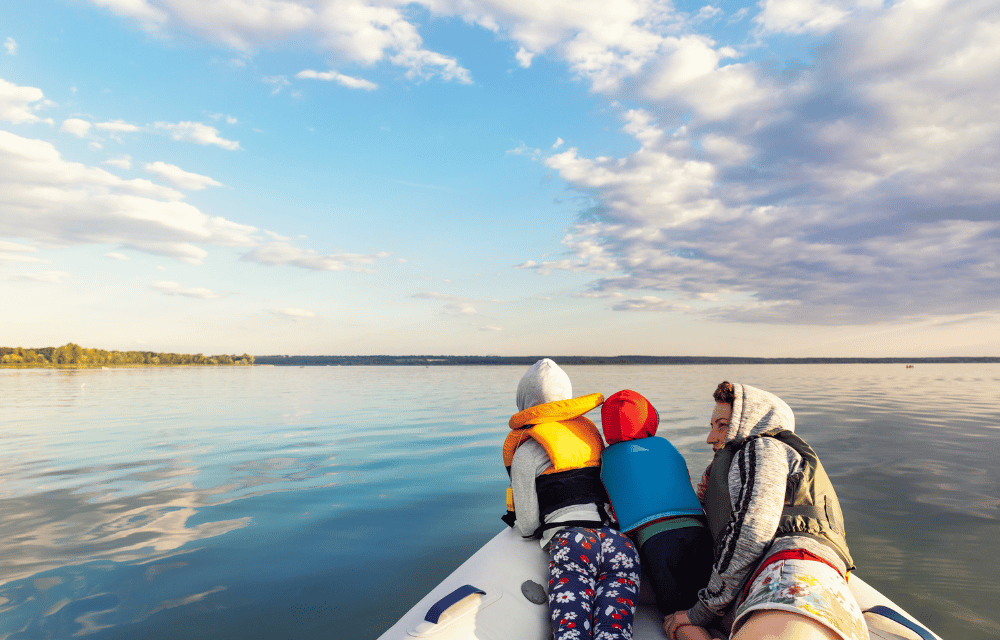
781, 559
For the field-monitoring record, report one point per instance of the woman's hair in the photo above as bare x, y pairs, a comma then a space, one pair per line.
725, 393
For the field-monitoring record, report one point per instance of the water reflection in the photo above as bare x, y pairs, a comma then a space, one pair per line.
122, 494
269, 502
62, 527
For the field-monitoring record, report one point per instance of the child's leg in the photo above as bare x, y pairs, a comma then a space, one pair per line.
678, 563
617, 587
573, 555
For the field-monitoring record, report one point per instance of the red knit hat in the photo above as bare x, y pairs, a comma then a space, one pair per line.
627, 415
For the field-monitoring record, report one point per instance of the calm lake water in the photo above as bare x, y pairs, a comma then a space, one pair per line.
323, 502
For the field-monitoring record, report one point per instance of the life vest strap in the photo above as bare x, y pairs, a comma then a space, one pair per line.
586, 524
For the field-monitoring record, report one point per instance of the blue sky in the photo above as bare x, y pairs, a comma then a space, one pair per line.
783, 178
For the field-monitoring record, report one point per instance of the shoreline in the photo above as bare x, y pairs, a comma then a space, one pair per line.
21, 365
463, 361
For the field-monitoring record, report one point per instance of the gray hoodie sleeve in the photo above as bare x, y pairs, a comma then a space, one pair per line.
530, 460
757, 482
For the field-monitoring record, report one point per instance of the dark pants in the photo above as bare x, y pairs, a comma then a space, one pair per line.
678, 564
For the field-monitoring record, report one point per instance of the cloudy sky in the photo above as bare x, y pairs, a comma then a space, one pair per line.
513, 177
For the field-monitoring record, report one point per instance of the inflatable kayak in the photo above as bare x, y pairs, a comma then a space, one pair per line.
499, 594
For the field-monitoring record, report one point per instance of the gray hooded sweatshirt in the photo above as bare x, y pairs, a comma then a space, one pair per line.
762, 467
543, 382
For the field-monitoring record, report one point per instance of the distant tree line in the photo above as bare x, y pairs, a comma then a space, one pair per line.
422, 361
74, 355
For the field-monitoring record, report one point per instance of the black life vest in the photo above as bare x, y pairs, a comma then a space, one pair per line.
811, 506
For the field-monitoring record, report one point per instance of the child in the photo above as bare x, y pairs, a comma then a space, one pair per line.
650, 490
553, 456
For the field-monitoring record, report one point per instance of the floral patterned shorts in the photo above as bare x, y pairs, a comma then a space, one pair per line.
807, 587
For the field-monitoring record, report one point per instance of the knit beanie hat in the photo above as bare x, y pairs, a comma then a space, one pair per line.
627, 415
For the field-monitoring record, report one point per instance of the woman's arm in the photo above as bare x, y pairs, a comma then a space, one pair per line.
757, 480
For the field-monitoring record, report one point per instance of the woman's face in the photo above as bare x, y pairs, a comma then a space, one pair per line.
720, 425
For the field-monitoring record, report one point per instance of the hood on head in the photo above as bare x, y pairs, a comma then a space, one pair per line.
628, 415
756, 411
543, 382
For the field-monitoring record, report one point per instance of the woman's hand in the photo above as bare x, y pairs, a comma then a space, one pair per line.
673, 622
678, 626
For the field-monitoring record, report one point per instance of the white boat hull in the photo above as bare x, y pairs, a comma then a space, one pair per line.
503, 612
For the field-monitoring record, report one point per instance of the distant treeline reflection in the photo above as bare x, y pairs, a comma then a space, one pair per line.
76, 356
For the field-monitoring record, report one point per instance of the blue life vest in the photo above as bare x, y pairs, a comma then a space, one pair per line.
647, 480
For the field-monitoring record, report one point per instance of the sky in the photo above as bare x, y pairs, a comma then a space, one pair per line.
787, 178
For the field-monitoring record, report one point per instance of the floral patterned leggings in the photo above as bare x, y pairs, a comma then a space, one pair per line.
593, 583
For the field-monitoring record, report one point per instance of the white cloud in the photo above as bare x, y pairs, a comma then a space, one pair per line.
75, 126
355, 30
707, 12
524, 150
18, 104
122, 162
690, 73
118, 126
48, 199
51, 277
726, 150
491, 328
174, 289
278, 82
524, 57
649, 188
197, 133
13, 252
180, 178
808, 16
115, 255
276, 236
650, 303
602, 42
422, 64
339, 78
11, 46
148, 17
291, 312
454, 305
283, 253
845, 192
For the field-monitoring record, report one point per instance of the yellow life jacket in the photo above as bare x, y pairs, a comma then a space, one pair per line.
574, 446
